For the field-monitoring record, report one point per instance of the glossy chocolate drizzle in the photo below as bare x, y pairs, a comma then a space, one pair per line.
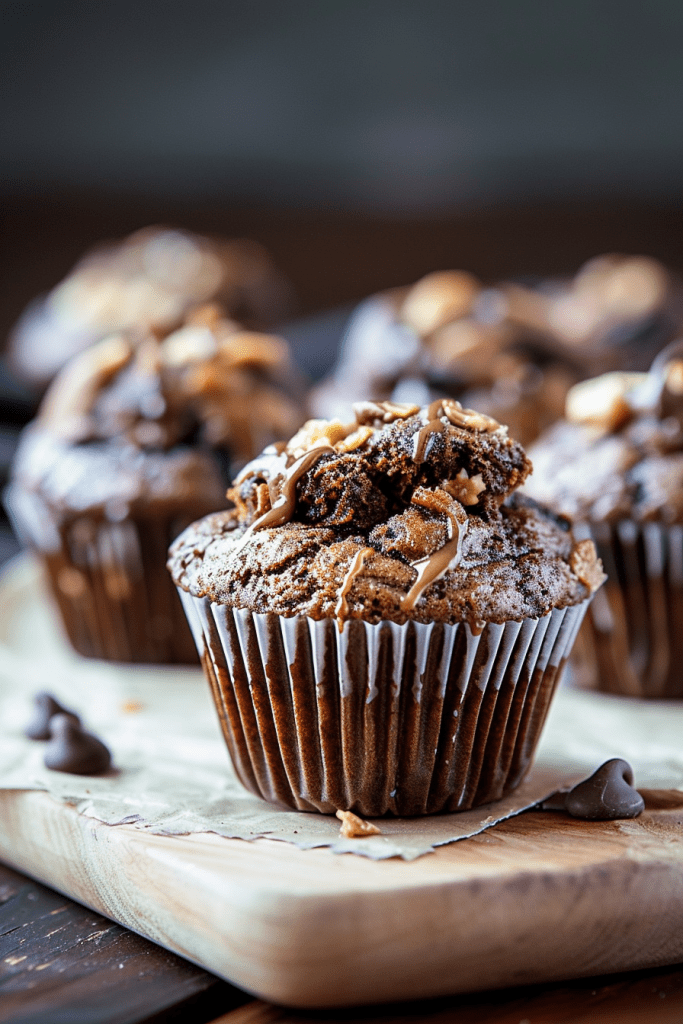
434, 566
341, 610
434, 425
285, 486
454, 413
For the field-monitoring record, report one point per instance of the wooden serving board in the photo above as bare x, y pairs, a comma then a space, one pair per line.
536, 898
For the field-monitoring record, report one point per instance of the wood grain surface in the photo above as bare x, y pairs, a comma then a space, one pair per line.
61, 962
536, 898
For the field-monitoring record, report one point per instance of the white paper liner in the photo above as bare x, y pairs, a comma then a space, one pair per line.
380, 719
632, 640
173, 773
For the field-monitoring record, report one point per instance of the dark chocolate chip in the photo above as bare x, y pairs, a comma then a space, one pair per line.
74, 751
607, 795
46, 707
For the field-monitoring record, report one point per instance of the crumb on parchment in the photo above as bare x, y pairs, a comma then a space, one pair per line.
353, 827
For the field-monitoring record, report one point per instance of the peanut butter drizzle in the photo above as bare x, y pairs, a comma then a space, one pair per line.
341, 610
433, 425
283, 508
469, 418
435, 565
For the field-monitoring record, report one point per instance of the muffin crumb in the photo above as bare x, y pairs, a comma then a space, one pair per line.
585, 564
353, 827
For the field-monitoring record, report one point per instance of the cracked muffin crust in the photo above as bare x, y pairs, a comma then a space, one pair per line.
425, 495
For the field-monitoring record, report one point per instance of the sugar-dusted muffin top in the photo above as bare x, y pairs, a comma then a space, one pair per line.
619, 453
137, 420
151, 279
405, 513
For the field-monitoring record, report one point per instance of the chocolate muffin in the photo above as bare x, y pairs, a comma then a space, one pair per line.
151, 279
617, 313
381, 617
135, 438
449, 335
616, 464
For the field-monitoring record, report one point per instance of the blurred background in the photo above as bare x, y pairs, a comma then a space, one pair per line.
364, 143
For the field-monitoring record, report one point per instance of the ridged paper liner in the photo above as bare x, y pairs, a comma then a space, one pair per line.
110, 581
381, 719
632, 640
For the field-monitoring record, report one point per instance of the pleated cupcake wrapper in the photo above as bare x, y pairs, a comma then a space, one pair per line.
633, 635
110, 581
381, 719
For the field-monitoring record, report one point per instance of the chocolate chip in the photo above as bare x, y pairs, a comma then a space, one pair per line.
74, 751
46, 707
607, 795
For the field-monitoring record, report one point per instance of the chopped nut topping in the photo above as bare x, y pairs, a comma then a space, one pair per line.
355, 440
439, 298
586, 565
263, 503
603, 401
469, 418
73, 394
249, 348
464, 488
188, 345
384, 412
673, 377
317, 432
353, 827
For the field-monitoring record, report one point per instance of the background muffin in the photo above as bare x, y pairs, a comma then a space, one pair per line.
381, 619
149, 280
448, 335
616, 464
136, 438
512, 351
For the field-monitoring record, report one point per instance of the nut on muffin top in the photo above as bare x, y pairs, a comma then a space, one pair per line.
619, 453
405, 513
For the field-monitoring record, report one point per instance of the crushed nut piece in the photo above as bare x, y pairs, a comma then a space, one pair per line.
464, 488
355, 440
247, 348
317, 432
603, 401
263, 503
353, 827
439, 298
190, 344
585, 564
673, 377
469, 418
384, 412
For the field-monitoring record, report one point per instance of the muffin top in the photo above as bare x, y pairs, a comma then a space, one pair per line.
150, 279
619, 453
405, 513
448, 334
616, 313
131, 408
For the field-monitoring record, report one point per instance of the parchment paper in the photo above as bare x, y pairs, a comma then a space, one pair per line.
172, 772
